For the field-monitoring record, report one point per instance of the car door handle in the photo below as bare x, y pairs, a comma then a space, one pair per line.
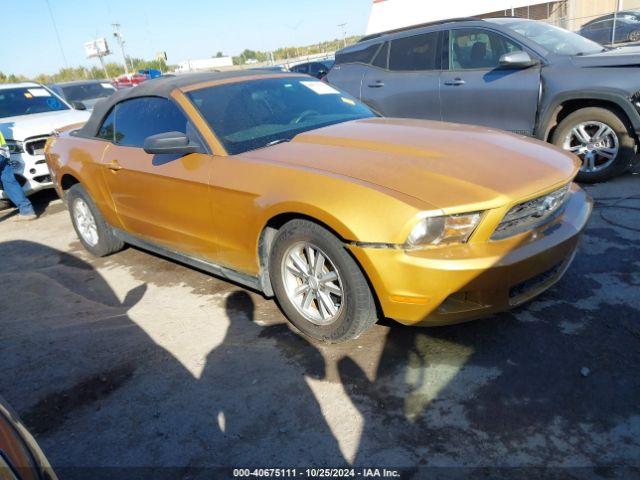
456, 82
115, 166
377, 84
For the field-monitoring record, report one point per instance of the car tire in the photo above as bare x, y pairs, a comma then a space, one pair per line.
634, 36
330, 316
592, 117
95, 234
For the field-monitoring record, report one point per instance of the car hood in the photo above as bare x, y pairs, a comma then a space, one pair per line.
25, 126
615, 57
446, 166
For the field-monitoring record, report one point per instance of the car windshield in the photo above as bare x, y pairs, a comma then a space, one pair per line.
28, 100
87, 91
258, 113
554, 39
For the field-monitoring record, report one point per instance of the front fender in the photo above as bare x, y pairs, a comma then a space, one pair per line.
618, 98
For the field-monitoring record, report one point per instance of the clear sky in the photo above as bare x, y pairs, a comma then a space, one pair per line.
185, 29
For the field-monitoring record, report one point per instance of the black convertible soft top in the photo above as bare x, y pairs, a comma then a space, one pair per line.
157, 87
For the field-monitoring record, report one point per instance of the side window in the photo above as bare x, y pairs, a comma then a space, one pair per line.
418, 52
316, 67
382, 58
139, 118
361, 55
471, 49
304, 68
106, 130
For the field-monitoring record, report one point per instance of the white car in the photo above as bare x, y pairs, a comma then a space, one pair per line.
29, 113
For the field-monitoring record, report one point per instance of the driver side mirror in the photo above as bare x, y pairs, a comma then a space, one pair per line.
518, 59
78, 106
172, 143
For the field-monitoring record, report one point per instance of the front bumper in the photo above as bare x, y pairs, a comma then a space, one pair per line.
442, 286
31, 172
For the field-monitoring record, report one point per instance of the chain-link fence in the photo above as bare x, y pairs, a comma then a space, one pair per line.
604, 21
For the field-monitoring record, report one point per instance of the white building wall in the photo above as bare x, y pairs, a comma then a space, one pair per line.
390, 14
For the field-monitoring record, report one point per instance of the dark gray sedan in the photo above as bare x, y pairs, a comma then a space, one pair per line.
84, 92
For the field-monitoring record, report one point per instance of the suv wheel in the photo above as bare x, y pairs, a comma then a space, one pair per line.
92, 230
318, 285
600, 138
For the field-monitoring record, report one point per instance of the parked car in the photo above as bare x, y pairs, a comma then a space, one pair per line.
83, 93
150, 72
601, 29
29, 113
127, 81
270, 68
315, 69
293, 188
20, 456
524, 76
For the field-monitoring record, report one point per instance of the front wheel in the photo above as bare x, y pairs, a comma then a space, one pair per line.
94, 232
600, 138
634, 36
318, 285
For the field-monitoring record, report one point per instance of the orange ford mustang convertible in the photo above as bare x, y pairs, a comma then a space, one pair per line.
286, 185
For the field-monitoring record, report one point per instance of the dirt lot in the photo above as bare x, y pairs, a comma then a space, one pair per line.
137, 361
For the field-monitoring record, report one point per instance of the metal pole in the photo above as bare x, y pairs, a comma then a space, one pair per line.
615, 19
118, 35
344, 34
104, 67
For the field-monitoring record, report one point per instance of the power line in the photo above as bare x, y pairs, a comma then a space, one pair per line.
55, 28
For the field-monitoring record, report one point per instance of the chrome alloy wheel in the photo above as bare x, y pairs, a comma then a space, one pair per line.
85, 222
312, 283
595, 143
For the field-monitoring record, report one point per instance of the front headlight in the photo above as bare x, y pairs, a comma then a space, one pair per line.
443, 230
15, 146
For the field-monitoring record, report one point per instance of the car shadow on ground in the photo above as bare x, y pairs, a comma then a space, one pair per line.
553, 383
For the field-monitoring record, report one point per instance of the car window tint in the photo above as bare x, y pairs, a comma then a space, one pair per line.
382, 58
418, 52
361, 55
316, 67
140, 118
106, 130
478, 49
304, 68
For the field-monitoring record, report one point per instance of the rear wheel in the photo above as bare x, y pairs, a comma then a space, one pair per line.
600, 138
92, 230
318, 285
634, 36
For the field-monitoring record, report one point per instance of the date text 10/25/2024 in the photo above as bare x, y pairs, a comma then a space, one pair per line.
316, 473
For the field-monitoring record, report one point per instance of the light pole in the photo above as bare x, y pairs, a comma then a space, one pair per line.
344, 34
615, 19
118, 35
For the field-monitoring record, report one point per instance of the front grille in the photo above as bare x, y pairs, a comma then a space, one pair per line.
526, 288
532, 213
35, 146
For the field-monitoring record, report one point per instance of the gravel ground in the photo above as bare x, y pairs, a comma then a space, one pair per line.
137, 362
